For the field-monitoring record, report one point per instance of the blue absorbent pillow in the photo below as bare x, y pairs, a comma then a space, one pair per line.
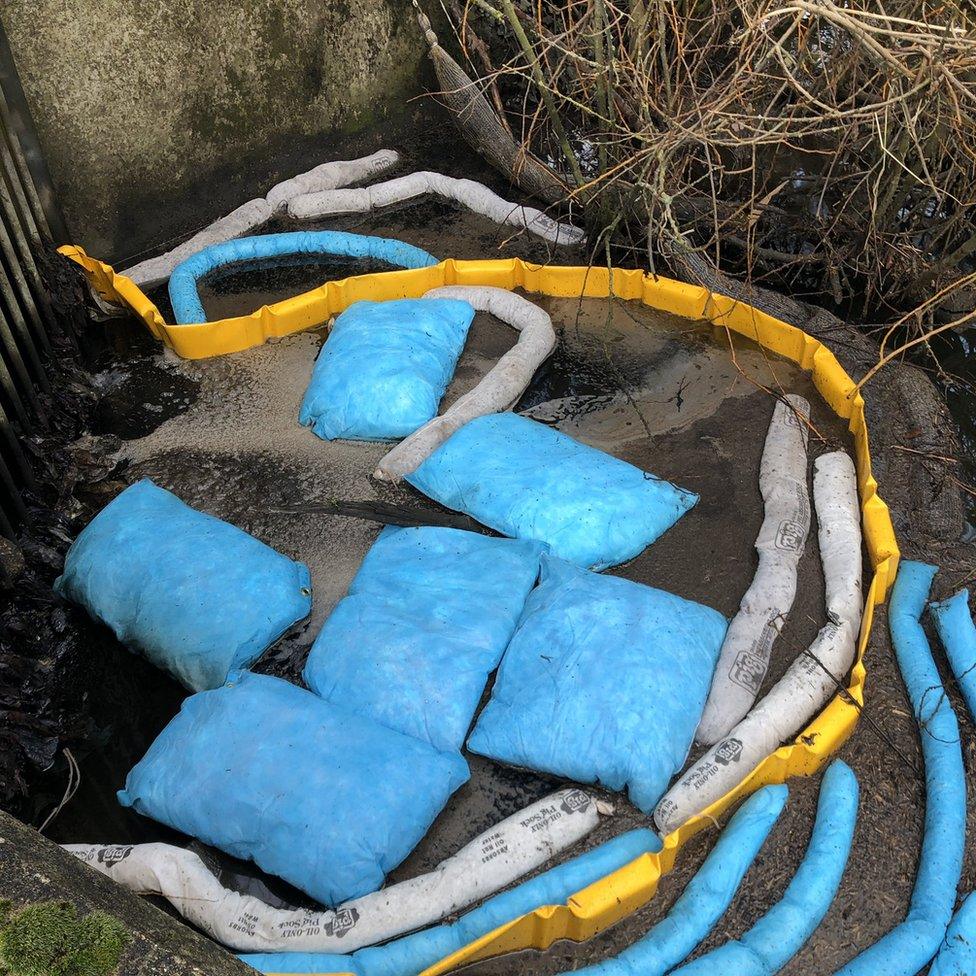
195, 595
532, 482
604, 682
425, 622
384, 368
315, 794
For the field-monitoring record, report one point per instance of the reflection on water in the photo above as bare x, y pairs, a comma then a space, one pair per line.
956, 352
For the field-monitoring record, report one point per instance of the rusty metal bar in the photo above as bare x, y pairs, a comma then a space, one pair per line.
8, 389
25, 269
18, 510
30, 221
16, 117
36, 334
16, 316
22, 209
14, 450
23, 174
11, 389
14, 511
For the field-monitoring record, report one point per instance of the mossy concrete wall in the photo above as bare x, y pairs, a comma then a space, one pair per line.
36, 872
155, 116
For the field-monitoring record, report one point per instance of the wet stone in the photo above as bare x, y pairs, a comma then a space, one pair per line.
12, 563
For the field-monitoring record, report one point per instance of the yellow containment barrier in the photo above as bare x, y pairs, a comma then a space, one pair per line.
607, 901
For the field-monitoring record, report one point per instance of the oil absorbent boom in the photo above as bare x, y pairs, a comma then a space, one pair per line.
491, 861
498, 390
749, 642
254, 213
815, 674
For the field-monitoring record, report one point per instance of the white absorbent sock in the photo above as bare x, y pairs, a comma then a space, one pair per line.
332, 175
491, 861
745, 654
470, 194
499, 388
254, 213
812, 678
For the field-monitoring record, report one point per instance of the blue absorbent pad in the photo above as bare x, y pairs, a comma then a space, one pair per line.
532, 482
195, 595
604, 682
425, 622
384, 368
266, 771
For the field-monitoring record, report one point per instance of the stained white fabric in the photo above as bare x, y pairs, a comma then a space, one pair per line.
490, 862
498, 390
812, 678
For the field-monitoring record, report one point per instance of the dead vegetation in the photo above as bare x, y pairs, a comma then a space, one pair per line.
825, 149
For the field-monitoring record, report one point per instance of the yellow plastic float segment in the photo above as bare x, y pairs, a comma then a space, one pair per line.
606, 902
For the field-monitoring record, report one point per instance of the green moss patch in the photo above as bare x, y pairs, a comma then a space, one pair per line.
50, 939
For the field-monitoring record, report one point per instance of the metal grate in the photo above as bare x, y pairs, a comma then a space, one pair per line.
30, 223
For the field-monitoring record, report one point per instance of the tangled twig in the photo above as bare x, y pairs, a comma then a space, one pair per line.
822, 148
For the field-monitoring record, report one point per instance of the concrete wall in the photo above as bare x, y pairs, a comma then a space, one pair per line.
34, 871
157, 115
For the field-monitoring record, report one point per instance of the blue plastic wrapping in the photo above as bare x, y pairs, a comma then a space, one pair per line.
913, 943
707, 896
957, 632
603, 682
384, 368
185, 299
425, 622
309, 791
194, 595
957, 957
412, 954
532, 482
783, 930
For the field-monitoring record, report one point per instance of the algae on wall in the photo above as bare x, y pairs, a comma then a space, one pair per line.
155, 116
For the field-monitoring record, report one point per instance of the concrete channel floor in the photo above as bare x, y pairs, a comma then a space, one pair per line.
660, 392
